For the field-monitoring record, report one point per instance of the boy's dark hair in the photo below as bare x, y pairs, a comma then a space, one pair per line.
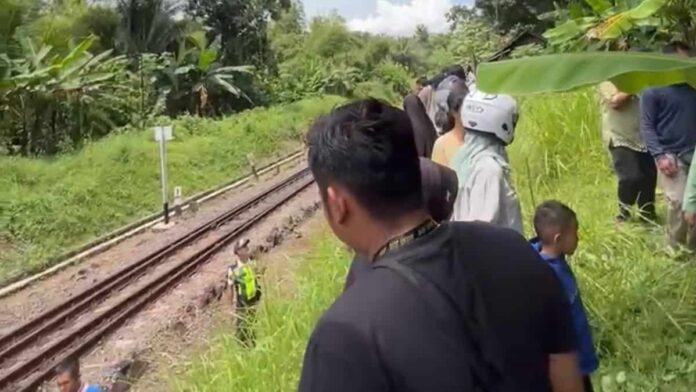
71, 366
368, 147
551, 217
422, 81
675, 46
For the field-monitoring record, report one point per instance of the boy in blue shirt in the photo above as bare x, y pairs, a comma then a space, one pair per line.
556, 226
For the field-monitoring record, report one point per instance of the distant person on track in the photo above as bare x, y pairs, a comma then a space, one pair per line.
450, 121
485, 189
423, 129
668, 125
445, 307
633, 165
69, 379
556, 226
245, 291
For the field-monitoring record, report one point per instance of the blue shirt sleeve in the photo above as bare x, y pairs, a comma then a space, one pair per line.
649, 106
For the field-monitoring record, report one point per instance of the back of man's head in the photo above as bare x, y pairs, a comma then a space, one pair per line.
678, 48
552, 217
367, 147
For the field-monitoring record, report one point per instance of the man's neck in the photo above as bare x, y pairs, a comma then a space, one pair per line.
395, 228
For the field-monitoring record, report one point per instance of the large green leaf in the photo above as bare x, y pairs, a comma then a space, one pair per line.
569, 30
206, 57
631, 72
78, 53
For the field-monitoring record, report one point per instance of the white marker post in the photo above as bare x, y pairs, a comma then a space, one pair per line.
162, 135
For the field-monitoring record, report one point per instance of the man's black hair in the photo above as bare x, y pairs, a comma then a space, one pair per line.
445, 120
455, 70
455, 99
422, 81
675, 46
71, 366
368, 147
551, 217
452, 70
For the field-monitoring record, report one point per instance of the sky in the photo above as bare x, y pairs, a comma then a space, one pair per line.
392, 17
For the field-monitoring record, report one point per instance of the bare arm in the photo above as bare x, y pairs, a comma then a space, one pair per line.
619, 100
564, 372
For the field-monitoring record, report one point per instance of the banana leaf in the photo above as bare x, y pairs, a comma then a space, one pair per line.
631, 72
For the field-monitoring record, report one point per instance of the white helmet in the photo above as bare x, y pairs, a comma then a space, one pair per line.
490, 113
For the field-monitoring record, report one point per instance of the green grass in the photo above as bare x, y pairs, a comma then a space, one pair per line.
283, 326
50, 205
642, 304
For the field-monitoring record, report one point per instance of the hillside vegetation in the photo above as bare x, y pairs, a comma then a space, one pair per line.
51, 204
640, 300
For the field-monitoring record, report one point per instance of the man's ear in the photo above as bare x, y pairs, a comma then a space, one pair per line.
336, 204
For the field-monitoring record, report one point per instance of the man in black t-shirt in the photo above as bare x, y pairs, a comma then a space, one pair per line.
444, 307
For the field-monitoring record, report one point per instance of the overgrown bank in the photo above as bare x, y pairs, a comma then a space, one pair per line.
49, 205
642, 304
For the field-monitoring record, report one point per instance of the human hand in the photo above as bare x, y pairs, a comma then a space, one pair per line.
667, 165
619, 100
690, 218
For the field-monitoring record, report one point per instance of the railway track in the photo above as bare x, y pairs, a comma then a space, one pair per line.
30, 351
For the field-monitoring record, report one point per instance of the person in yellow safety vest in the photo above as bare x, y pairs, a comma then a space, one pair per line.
245, 289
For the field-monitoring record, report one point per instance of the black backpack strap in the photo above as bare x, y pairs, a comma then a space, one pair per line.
461, 327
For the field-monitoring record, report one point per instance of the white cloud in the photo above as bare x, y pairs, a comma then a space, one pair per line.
402, 19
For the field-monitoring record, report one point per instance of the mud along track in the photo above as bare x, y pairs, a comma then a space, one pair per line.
27, 356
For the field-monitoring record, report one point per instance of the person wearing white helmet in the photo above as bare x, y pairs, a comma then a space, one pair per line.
485, 189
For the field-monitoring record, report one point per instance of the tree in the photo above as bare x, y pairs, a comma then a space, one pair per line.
101, 22
197, 81
459, 15
508, 15
147, 26
329, 38
680, 20
241, 25
605, 25
422, 35
13, 14
51, 98
286, 34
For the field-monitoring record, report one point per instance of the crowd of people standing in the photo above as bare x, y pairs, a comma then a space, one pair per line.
444, 293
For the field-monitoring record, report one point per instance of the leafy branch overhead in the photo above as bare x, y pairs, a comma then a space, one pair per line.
604, 22
631, 72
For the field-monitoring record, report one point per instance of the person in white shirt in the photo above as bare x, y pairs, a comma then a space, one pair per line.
485, 189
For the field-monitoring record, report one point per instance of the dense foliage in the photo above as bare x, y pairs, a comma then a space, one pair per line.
74, 70
640, 301
50, 205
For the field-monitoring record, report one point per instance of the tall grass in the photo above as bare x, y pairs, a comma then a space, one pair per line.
48, 205
283, 326
642, 304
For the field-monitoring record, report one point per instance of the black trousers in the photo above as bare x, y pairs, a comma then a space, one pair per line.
637, 176
587, 382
